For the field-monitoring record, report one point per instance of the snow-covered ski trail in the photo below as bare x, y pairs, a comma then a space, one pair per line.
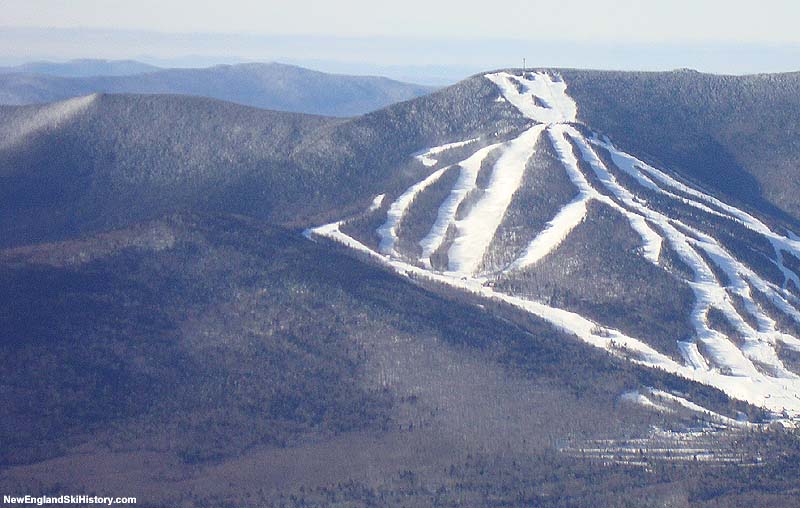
388, 231
428, 156
476, 230
466, 183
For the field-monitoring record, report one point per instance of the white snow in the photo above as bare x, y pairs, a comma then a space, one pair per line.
427, 156
573, 213
725, 420
643, 400
692, 355
708, 290
377, 202
632, 209
666, 402
773, 394
629, 164
553, 234
559, 227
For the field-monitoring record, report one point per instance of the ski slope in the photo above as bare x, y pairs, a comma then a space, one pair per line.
742, 360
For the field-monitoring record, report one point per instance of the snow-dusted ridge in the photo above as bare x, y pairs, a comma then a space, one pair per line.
48, 116
746, 366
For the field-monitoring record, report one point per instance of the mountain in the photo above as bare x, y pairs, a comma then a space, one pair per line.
558, 221
269, 86
509, 292
81, 68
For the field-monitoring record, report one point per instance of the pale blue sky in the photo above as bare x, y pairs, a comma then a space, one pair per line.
618, 20
718, 36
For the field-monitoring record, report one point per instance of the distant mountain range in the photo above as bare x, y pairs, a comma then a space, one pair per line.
270, 86
81, 68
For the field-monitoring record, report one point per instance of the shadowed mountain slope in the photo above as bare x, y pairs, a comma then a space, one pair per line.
229, 353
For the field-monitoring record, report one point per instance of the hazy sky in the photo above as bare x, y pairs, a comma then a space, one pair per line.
619, 20
720, 36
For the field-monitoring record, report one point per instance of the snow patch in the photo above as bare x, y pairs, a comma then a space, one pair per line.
377, 202
537, 96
